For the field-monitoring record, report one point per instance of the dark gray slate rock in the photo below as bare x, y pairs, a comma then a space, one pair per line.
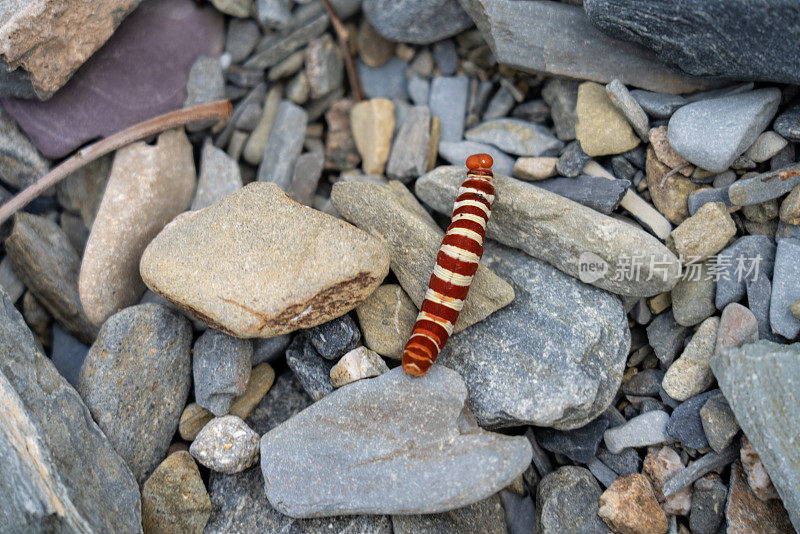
709, 38
238, 505
500, 104
658, 105
582, 336
73, 479
284, 399
685, 425
741, 263
708, 505
600, 194
334, 339
562, 97
520, 511
448, 101
758, 297
705, 196
284, 144
270, 349
445, 56
540, 37
579, 445
219, 175
68, 355
713, 133
416, 21
140, 72
311, 370
353, 440
666, 337
765, 186
785, 288
20, 161
760, 382
703, 465
788, 122
646, 382
567, 500
484, 516
48, 265
719, 422
572, 160
386, 81
516, 136
624, 462
135, 381
456, 153
409, 156
221, 368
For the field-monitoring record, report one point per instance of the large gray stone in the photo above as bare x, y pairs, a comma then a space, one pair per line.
709, 38
351, 442
785, 288
20, 163
759, 381
581, 337
563, 233
486, 516
567, 501
284, 144
713, 133
135, 381
72, 479
542, 37
416, 21
392, 214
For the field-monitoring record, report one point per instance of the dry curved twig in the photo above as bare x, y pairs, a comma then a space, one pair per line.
344, 44
221, 109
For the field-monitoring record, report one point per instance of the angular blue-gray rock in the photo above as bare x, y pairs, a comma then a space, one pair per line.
787, 230
567, 500
445, 56
206, 83
625, 462
448, 101
284, 399
706, 196
274, 14
520, 510
238, 505
759, 380
563, 233
456, 153
305, 177
713, 133
666, 337
386, 81
516, 136
284, 144
646, 383
335, 338
630, 108
685, 425
500, 104
785, 288
219, 175
788, 122
20, 162
241, 38
221, 369
69, 478
311, 370
68, 355
765, 186
593, 192
486, 516
579, 445
582, 338
759, 293
540, 37
135, 381
572, 160
349, 443
703, 465
708, 505
709, 38
741, 263
719, 422
658, 105
416, 21
269, 349
418, 90
409, 156
647, 429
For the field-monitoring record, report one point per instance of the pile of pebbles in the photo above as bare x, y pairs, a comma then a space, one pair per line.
203, 331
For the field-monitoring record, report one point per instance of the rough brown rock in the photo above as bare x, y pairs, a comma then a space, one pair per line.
671, 199
665, 153
149, 185
258, 264
50, 39
746, 513
661, 464
629, 506
174, 498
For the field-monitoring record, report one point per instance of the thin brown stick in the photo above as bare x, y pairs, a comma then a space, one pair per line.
221, 109
672, 172
343, 37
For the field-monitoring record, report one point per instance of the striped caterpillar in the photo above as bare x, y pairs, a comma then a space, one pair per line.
456, 263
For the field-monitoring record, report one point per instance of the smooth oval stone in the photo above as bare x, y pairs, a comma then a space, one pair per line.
354, 439
416, 21
516, 136
258, 264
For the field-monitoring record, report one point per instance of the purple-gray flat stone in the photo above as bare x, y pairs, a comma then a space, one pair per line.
139, 73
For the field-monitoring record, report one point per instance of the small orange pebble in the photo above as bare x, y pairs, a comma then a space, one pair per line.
479, 161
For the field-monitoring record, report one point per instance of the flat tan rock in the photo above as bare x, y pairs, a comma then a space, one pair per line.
532, 169
372, 125
601, 128
258, 264
149, 185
